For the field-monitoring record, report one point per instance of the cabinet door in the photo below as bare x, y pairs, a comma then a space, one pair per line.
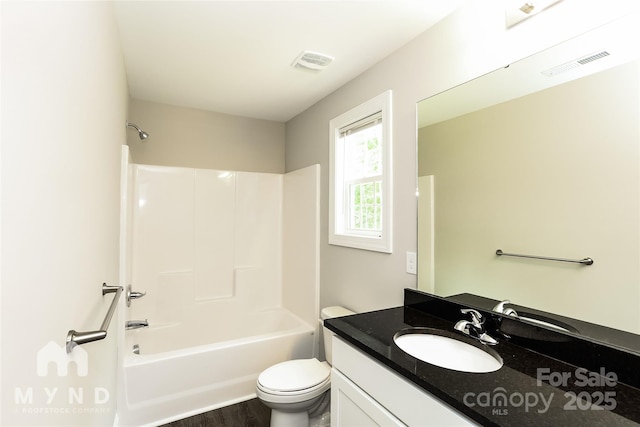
350, 406
404, 400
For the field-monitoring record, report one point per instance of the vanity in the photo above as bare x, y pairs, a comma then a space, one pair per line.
547, 377
529, 190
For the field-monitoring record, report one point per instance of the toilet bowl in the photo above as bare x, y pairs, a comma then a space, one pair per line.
297, 390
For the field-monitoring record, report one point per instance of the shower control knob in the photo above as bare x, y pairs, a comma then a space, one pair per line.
133, 295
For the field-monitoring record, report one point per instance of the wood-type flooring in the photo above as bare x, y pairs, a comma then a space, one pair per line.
251, 413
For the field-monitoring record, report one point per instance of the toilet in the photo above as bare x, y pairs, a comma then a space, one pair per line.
297, 390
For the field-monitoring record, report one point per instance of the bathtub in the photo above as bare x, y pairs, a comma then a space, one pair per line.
183, 371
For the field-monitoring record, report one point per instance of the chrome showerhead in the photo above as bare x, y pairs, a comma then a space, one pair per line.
141, 134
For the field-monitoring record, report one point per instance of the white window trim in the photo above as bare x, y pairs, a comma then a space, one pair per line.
337, 235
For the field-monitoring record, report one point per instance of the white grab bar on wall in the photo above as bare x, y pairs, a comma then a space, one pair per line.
75, 338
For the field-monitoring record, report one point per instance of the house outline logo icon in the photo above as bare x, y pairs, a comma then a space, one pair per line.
52, 352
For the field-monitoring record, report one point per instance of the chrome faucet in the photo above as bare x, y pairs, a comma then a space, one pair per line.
474, 327
500, 308
136, 324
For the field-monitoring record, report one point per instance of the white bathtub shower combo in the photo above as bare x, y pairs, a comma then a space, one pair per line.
228, 261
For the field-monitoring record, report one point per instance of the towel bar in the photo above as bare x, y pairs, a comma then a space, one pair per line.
75, 338
584, 261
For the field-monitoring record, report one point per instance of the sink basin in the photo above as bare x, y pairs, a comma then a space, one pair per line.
447, 351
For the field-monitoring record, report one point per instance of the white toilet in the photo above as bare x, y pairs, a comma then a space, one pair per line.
297, 390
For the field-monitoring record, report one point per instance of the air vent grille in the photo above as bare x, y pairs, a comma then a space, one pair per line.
593, 57
312, 60
575, 63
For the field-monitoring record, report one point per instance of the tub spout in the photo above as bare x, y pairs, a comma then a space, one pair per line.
136, 324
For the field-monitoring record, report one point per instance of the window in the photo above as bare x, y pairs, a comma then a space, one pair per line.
360, 176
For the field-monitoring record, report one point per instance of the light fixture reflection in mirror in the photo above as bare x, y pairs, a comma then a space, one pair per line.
538, 165
517, 11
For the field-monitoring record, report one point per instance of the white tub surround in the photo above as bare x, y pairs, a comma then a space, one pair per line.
217, 255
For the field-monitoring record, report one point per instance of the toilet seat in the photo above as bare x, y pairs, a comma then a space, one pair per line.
295, 379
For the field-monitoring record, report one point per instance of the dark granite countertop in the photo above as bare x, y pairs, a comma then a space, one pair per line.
548, 378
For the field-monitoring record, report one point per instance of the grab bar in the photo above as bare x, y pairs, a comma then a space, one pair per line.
584, 261
75, 338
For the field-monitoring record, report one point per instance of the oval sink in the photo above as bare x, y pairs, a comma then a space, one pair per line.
448, 352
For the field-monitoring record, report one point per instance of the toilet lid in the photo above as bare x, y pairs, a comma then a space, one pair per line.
295, 375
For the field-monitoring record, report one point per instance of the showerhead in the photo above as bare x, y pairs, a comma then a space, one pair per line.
141, 134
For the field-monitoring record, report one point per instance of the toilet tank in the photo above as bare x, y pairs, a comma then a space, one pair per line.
330, 313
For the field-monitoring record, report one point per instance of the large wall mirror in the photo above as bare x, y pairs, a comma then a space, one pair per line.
539, 158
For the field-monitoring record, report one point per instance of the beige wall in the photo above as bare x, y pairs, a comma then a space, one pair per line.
194, 138
551, 174
64, 101
467, 44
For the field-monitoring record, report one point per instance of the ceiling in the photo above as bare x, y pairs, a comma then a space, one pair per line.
234, 57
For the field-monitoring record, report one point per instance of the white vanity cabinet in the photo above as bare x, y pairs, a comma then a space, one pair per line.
366, 393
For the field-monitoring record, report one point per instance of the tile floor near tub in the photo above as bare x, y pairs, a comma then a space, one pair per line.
251, 413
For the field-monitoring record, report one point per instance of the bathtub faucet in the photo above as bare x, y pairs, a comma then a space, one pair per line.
136, 324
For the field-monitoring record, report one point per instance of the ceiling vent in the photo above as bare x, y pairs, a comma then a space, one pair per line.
312, 60
575, 63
